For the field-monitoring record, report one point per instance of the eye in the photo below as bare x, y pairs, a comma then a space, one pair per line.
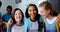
29, 10
16, 14
34, 9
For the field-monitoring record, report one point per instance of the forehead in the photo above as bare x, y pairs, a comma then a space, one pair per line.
42, 9
18, 11
8, 9
30, 7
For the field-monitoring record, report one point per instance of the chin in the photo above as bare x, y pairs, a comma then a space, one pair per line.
17, 19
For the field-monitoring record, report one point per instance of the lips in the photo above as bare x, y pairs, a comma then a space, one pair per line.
18, 18
32, 15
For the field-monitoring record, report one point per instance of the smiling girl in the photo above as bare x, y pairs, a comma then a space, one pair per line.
49, 16
18, 19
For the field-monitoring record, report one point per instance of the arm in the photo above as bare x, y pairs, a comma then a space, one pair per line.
9, 26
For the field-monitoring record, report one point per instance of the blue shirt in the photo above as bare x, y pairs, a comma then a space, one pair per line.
6, 17
50, 27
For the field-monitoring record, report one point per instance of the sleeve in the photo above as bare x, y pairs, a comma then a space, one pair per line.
57, 26
3, 18
9, 28
25, 24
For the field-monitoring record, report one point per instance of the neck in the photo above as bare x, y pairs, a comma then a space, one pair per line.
8, 13
33, 19
18, 23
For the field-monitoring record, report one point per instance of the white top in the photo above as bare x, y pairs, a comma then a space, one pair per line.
16, 28
51, 21
34, 27
50, 24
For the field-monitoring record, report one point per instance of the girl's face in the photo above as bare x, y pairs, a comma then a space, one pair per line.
32, 12
43, 12
18, 16
9, 11
58, 17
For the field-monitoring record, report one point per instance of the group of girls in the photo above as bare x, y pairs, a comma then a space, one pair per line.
46, 21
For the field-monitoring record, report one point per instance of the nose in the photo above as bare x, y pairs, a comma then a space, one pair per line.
32, 12
18, 15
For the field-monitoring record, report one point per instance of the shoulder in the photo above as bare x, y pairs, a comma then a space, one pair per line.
26, 19
5, 14
13, 26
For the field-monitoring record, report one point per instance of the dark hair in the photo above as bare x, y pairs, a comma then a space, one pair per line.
47, 5
13, 17
9, 7
0, 3
26, 13
58, 11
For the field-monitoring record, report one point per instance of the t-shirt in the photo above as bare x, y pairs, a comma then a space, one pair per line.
6, 17
17, 28
34, 27
50, 24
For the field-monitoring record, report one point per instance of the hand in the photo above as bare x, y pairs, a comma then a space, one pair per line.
10, 22
1, 23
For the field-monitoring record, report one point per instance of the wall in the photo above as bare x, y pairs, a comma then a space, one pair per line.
5, 3
23, 5
54, 3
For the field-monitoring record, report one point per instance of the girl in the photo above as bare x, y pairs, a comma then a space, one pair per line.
32, 24
18, 19
58, 23
49, 16
3, 25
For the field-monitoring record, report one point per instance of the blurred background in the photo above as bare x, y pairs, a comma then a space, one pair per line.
22, 4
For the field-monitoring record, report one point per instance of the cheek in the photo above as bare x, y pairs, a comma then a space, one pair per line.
15, 17
58, 16
28, 12
44, 14
35, 12
21, 17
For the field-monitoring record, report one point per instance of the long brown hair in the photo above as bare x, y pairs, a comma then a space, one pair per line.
47, 5
13, 17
